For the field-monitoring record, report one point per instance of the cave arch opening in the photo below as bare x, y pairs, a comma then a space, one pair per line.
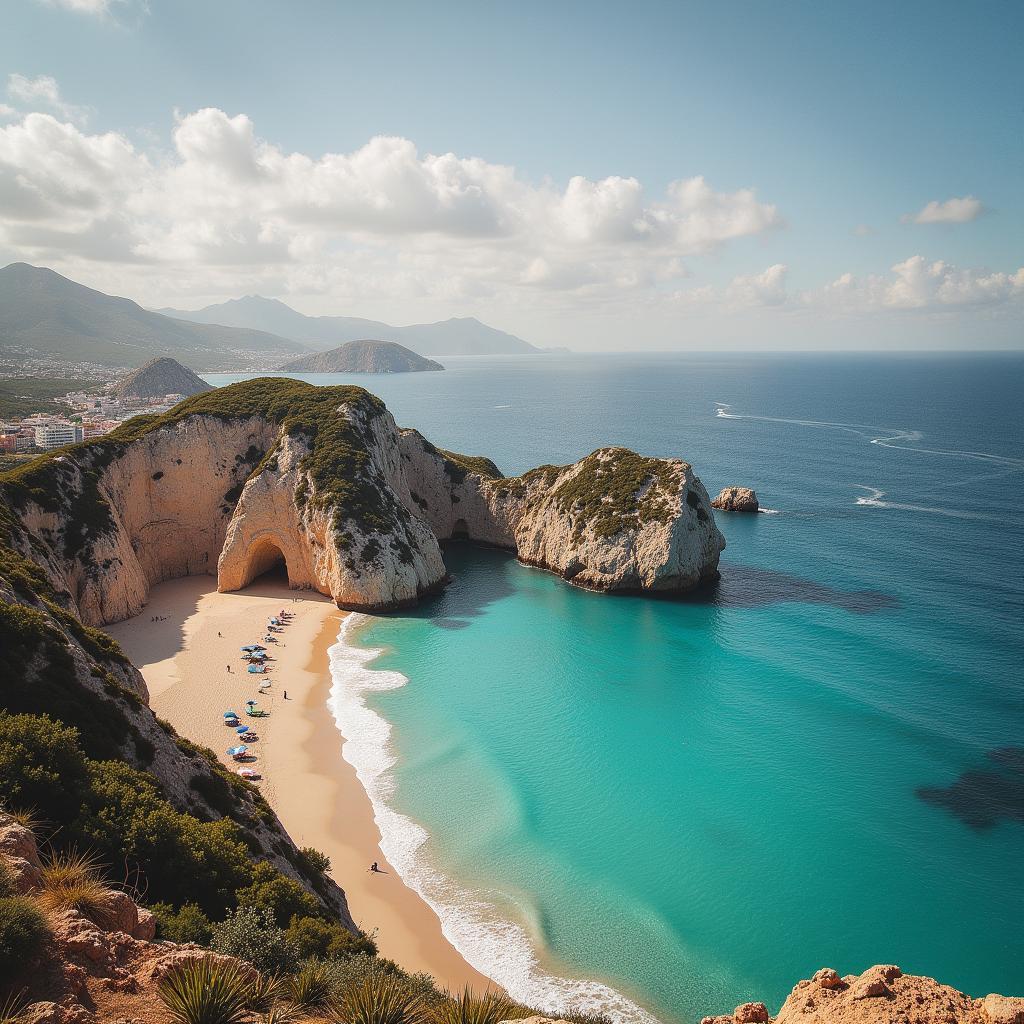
460, 530
266, 562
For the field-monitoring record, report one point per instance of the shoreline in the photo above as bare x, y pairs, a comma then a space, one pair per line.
498, 942
182, 643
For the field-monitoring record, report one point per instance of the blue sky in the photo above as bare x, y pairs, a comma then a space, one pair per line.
846, 121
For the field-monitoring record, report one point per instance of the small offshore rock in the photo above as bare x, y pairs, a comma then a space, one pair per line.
736, 499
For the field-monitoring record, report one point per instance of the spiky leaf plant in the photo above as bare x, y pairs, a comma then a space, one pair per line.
207, 991
379, 999
265, 992
310, 988
469, 1008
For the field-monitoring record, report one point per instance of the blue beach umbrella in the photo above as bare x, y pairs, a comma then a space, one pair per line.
256, 668
230, 714
242, 729
251, 703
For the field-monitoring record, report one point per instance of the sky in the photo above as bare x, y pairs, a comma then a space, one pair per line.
607, 176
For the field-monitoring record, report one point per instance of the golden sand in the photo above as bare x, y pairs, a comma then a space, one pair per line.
184, 641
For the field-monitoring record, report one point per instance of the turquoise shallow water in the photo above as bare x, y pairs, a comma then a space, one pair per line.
821, 763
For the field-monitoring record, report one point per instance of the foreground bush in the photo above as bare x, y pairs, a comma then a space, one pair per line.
327, 940
23, 932
188, 924
253, 936
206, 992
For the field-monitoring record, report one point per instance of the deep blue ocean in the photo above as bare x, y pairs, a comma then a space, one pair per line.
670, 807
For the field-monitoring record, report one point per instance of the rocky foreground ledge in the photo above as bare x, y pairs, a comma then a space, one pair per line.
231, 481
883, 994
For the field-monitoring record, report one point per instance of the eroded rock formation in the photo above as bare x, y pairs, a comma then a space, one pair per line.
232, 481
736, 499
882, 993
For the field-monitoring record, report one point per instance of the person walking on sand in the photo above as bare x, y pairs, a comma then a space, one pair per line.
374, 869
285, 694
229, 668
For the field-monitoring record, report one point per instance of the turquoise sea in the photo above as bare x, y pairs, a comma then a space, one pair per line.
668, 807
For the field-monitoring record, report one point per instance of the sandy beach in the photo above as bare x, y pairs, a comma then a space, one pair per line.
184, 641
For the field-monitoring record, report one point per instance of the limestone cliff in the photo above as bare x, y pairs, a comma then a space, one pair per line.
231, 481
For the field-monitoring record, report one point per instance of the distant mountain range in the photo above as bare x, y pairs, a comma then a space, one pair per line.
363, 357
44, 314
463, 336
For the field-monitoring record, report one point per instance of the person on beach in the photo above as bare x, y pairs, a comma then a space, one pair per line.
285, 694
229, 668
373, 868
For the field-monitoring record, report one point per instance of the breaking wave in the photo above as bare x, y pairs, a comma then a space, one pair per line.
498, 948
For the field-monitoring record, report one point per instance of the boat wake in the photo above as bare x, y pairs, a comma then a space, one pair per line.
498, 948
874, 498
898, 438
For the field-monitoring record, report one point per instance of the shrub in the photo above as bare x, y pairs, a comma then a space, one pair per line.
188, 924
314, 937
280, 896
206, 992
313, 860
41, 765
23, 931
253, 935
89, 896
379, 999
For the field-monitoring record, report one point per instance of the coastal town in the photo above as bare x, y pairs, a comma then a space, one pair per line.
76, 416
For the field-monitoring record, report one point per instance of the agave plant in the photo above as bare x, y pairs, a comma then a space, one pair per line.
469, 1008
265, 991
379, 999
207, 991
310, 988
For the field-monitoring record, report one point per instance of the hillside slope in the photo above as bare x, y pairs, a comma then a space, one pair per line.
45, 314
159, 377
363, 357
457, 336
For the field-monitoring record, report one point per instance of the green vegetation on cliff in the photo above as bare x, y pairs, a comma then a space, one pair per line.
337, 464
616, 489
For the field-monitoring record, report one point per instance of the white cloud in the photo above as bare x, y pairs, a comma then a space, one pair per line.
913, 285
921, 285
951, 211
96, 8
383, 216
42, 91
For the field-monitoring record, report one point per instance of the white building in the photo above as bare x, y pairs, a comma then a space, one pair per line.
53, 435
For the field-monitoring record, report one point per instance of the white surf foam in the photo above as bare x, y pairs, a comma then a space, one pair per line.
499, 948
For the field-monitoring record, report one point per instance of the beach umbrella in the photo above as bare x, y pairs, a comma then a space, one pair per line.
230, 714
247, 773
256, 669
249, 648
251, 703
241, 729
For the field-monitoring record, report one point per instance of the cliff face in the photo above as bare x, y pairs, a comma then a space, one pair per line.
232, 481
